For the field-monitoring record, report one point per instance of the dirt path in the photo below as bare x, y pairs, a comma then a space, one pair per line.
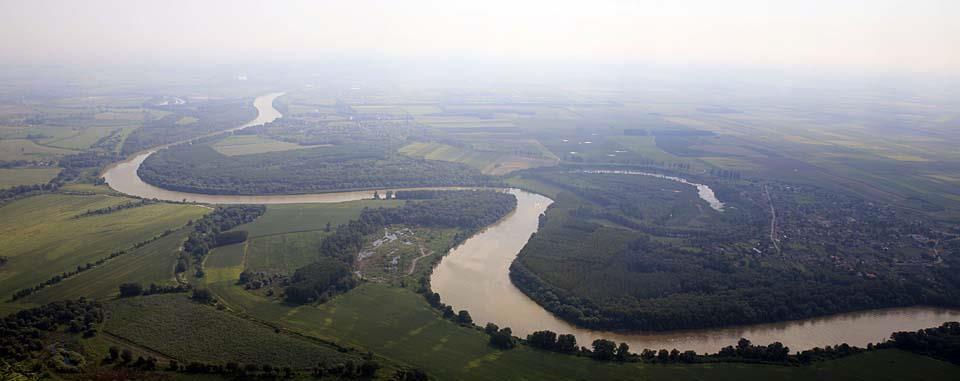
773, 220
423, 254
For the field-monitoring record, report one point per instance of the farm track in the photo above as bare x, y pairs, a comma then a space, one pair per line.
413, 264
773, 221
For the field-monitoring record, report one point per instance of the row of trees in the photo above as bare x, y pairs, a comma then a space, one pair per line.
136, 289
115, 208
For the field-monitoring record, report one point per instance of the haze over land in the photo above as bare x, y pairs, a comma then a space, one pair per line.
453, 190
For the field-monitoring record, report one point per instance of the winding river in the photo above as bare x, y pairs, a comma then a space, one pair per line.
475, 275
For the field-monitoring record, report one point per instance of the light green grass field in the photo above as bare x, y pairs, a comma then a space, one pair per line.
309, 217
152, 263
26, 176
283, 253
249, 145
81, 139
488, 162
22, 149
42, 239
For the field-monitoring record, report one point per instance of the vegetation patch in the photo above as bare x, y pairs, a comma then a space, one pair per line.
189, 331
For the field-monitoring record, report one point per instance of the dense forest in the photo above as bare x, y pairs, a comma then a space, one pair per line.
201, 169
210, 117
635, 252
25, 333
942, 342
466, 210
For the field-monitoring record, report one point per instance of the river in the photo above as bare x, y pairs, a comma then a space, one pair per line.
475, 275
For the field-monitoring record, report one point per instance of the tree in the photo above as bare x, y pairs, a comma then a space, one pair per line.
566, 343
126, 355
130, 289
503, 339
604, 349
463, 317
543, 340
376, 195
663, 355
369, 368
623, 352
491, 328
448, 312
202, 295
688, 357
114, 354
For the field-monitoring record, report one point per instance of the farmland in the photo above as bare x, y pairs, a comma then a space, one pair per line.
26, 176
152, 263
42, 236
183, 329
249, 145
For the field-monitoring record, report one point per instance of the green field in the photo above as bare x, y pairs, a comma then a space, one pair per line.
248, 145
22, 149
491, 161
309, 217
42, 238
174, 325
283, 253
152, 263
398, 324
26, 176
80, 139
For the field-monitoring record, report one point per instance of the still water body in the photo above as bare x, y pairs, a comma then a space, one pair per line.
475, 276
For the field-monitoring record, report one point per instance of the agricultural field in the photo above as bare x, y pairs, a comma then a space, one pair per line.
26, 176
183, 329
23, 149
247, 145
152, 263
80, 138
42, 235
492, 161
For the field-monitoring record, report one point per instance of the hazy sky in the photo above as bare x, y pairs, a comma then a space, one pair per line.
874, 35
